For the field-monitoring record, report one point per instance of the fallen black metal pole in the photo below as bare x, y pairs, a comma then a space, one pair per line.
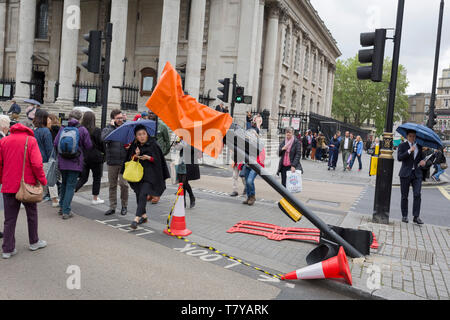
316, 221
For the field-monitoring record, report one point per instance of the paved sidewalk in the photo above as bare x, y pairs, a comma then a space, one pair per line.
412, 261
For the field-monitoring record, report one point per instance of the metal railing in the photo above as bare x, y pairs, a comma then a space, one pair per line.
36, 89
87, 94
7, 89
130, 94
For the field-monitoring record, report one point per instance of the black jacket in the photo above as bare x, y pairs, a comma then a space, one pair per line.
115, 151
156, 172
97, 153
192, 167
408, 161
294, 155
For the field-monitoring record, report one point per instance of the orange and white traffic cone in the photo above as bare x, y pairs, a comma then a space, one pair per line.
333, 268
178, 222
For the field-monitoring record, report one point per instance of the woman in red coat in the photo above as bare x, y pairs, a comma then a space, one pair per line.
12, 149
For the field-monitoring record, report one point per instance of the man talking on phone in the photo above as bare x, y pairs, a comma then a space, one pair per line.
411, 156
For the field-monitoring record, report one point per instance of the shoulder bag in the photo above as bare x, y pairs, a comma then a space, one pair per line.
29, 193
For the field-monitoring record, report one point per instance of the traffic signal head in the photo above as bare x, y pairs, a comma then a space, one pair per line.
239, 95
431, 119
94, 51
375, 55
225, 89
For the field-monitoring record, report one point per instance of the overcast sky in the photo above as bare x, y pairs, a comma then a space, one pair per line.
346, 19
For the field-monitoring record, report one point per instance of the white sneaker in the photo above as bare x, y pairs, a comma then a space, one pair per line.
98, 201
55, 204
9, 255
38, 245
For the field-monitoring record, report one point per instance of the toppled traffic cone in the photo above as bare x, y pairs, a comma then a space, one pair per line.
178, 221
374, 244
333, 268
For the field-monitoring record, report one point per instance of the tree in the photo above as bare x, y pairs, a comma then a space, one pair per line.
360, 100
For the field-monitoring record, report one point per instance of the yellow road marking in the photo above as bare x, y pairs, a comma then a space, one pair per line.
444, 192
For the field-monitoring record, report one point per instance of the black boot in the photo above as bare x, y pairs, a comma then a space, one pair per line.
192, 202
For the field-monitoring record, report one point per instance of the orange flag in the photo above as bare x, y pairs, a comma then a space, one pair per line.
197, 124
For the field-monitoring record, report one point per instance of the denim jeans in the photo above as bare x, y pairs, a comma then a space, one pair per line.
439, 171
354, 156
250, 176
69, 182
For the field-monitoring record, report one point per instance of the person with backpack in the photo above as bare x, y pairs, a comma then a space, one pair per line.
71, 143
94, 159
439, 163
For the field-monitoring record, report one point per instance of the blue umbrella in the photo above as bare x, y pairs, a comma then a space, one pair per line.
125, 133
425, 137
32, 101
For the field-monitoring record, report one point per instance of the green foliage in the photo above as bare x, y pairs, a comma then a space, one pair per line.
360, 100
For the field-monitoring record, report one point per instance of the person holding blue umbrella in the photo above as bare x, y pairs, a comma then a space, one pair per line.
412, 158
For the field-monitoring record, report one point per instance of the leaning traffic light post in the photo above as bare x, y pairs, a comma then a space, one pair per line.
385, 168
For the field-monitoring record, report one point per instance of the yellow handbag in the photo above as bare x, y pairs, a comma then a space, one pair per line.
134, 171
373, 166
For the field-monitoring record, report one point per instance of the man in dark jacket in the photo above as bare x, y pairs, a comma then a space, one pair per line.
411, 156
116, 154
15, 111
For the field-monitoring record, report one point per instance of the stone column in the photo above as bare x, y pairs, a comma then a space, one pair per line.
69, 53
119, 19
2, 35
270, 54
256, 80
25, 48
330, 92
169, 34
213, 71
195, 47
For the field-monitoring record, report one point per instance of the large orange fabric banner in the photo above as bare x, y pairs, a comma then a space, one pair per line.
197, 124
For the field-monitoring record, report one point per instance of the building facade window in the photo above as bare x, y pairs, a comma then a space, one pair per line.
311, 105
321, 73
282, 95
297, 55
148, 81
287, 45
294, 100
42, 20
303, 105
306, 65
314, 74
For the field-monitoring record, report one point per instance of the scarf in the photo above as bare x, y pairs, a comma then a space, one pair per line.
288, 144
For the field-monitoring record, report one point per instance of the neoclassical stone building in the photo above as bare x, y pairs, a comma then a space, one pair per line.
281, 50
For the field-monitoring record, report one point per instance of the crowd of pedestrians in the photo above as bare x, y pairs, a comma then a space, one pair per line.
70, 153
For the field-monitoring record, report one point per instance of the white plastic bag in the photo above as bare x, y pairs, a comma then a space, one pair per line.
294, 181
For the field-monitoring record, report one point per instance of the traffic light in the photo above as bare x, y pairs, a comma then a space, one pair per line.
94, 51
431, 119
225, 89
375, 55
239, 95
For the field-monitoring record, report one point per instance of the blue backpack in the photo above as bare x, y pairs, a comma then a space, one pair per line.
68, 145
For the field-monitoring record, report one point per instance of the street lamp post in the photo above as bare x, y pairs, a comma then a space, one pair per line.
385, 168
